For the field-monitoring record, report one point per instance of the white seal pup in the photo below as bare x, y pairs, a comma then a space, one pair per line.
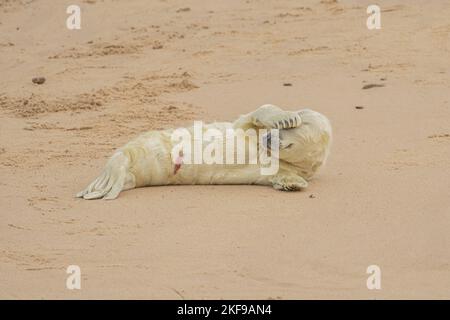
304, 139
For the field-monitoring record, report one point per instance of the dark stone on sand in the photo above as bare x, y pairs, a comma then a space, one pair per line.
38, 80
372, 85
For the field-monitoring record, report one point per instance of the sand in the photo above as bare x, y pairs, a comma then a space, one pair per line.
382, 199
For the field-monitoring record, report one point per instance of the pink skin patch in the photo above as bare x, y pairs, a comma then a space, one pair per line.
178, 162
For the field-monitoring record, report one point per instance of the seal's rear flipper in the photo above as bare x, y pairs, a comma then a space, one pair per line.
111, 182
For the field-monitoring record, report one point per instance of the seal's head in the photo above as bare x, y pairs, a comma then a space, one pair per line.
307, 145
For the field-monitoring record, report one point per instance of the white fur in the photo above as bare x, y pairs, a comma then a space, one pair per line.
305, 139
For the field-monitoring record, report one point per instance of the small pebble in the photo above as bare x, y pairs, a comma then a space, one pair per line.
312, 196
359, 107
287, 84
38, 80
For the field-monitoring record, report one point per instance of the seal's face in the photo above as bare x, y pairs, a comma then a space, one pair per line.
308, 142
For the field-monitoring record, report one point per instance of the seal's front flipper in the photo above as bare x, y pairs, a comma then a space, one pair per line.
272, 117
289, 183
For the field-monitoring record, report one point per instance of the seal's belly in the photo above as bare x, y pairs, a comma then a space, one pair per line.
152, 163
218, 174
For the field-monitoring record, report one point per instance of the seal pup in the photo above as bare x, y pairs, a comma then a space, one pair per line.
304, 140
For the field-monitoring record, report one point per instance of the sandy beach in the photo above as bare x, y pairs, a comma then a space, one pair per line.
382, 198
